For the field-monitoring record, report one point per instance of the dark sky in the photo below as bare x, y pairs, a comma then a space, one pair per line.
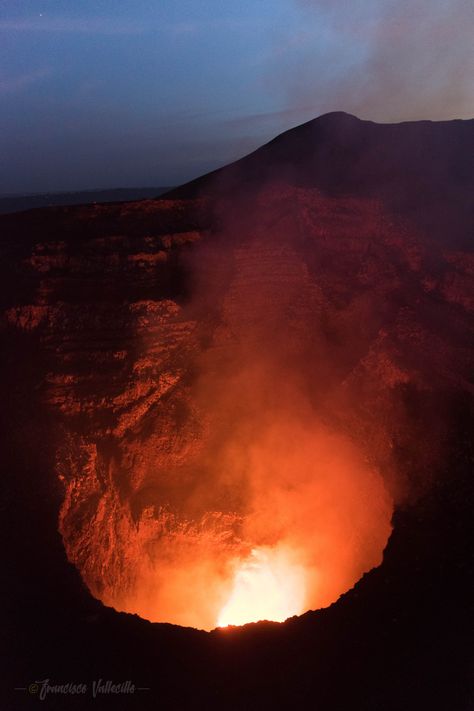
123, 93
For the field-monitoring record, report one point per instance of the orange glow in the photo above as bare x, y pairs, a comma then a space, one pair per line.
267, 586
314, 515
256, 486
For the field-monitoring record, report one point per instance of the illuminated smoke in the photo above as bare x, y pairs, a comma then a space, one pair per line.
279, 495
252, 492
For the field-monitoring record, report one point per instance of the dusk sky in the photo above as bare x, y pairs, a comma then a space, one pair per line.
129, 93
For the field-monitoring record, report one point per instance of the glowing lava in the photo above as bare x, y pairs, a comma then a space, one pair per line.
267, 586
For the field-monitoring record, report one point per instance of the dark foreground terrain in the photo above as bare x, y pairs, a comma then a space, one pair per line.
350, 242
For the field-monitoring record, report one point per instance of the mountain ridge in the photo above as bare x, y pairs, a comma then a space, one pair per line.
331, 120
20, 202
421, 169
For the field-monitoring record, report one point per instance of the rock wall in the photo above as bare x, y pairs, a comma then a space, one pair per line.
150, 332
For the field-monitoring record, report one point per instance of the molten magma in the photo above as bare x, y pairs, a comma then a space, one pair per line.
273, 513
267, 586
289, 517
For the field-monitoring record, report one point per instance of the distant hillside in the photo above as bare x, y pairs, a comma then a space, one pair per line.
17, 203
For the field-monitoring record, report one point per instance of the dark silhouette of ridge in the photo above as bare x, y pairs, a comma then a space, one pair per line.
341, 153
17, 203
421, 169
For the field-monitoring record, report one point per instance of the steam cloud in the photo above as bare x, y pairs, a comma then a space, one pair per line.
387, 60
273, 471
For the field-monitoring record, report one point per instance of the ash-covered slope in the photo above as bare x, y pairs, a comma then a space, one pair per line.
130, 333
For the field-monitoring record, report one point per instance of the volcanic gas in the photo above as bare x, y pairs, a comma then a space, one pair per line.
235, 485
266, 586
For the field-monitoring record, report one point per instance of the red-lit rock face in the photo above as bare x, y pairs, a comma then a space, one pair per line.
240, 440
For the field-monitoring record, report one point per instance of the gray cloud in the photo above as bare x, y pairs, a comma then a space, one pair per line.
411, 59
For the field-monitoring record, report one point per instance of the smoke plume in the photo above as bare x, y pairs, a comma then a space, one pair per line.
278, 495
385, 61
